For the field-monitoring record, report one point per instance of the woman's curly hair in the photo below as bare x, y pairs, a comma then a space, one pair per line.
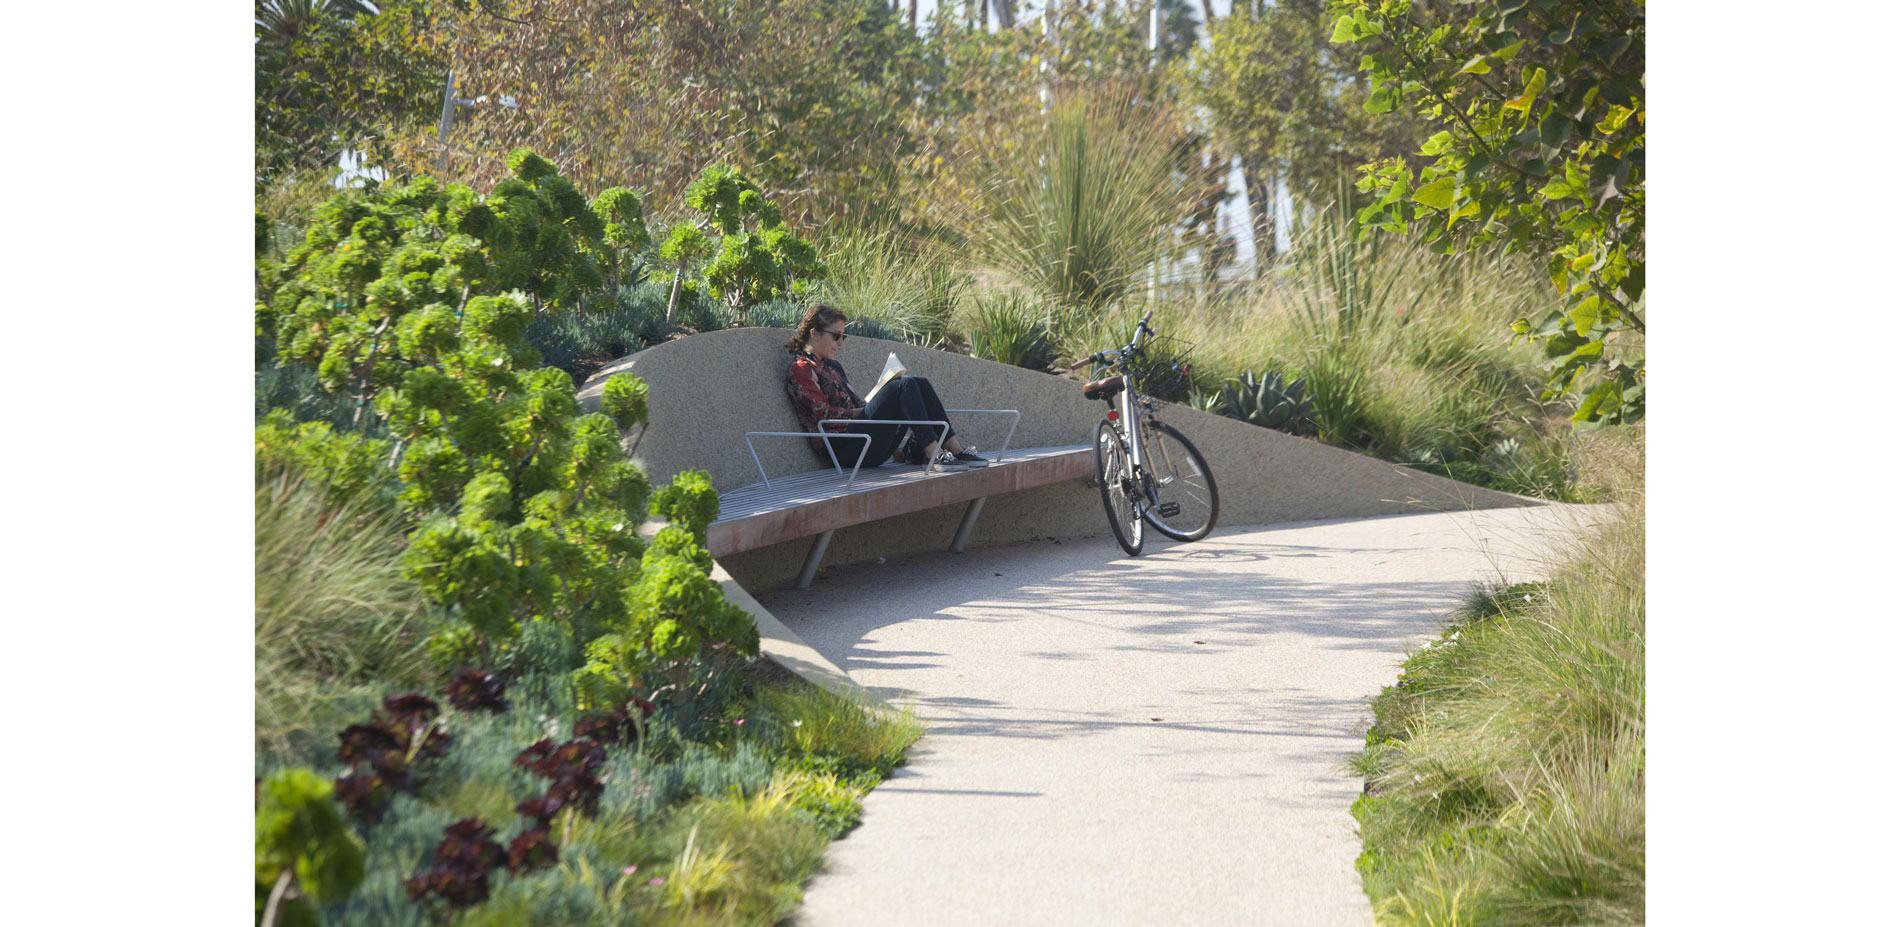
820, 314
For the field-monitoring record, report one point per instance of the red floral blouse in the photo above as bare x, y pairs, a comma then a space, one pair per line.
820, 390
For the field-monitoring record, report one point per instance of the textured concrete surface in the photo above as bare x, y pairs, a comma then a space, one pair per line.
788, 650
1139, 741
706, 391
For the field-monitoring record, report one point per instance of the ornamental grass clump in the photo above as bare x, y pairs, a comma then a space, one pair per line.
1081, 212
879, 276
1398, 349
335, 619
1506, 770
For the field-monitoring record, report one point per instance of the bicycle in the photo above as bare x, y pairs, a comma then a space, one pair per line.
1147, 471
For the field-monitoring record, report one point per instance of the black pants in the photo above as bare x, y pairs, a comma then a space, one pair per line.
910, 398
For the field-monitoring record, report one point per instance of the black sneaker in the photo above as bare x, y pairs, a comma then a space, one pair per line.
968, 456
946, 463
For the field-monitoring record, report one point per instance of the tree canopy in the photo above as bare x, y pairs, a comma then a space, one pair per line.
1539, 106
332, 76
1277, 90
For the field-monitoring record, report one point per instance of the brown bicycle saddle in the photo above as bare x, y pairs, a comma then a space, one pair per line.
1106, 387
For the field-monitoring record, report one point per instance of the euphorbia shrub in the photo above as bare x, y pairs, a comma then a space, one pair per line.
412, 301
675, 617
755, 256
305, 852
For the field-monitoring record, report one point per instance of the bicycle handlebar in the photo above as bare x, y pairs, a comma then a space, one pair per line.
1141, 326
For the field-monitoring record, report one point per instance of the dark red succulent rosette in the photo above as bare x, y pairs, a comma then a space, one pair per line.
360, 741
572, 770
579, 791
540, 810
576, 757
611, 727
473, 689
534, 753
364, 796
382, 753
411, 710
467, 854
531, 850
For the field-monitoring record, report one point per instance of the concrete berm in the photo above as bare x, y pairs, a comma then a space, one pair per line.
707, 391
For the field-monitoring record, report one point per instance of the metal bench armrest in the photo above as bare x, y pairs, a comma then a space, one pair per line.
1015, 418
853, 475
808, 435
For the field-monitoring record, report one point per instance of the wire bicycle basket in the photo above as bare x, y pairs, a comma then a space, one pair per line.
1164, 369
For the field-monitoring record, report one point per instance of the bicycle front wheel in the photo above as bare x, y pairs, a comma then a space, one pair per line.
1185, 501
1115, 476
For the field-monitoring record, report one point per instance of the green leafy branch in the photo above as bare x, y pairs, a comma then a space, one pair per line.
1549, 162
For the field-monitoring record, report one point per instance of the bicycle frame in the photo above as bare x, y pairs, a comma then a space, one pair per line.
1129, 411
1137, 487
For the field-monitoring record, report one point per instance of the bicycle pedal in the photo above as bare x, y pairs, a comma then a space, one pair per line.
1168, 509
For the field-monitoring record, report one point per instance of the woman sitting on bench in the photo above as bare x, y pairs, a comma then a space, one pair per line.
819, 390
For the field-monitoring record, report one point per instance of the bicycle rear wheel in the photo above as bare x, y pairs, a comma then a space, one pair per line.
1185, 499
1115, 477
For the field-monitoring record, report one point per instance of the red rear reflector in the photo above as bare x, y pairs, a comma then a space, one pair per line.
1114, 416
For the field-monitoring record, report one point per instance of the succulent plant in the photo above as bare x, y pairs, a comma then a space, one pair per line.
1268, 401
1206, 401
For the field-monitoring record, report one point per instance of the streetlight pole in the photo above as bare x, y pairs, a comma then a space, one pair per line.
449, 104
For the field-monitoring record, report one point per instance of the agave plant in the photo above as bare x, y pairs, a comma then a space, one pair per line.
1210, 401
1268, 401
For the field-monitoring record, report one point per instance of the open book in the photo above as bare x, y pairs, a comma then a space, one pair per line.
893, 368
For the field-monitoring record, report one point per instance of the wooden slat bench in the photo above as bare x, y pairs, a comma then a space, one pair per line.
817, 503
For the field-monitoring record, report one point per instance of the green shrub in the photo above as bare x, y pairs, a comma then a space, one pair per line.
754, 257
306, 855
1009, 328
348, 465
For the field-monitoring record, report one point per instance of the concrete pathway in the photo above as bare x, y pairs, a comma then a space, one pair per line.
1141, 741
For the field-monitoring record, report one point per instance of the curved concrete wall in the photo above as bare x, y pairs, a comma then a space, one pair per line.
706, 391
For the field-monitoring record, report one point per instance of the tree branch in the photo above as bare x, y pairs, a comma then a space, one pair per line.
1456, 114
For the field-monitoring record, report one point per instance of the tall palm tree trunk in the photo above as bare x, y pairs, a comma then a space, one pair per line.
1257, 176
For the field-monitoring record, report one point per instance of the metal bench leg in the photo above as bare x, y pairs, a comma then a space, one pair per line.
969, 522
818, 545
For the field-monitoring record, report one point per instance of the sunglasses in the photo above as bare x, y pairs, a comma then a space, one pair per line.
836, 336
